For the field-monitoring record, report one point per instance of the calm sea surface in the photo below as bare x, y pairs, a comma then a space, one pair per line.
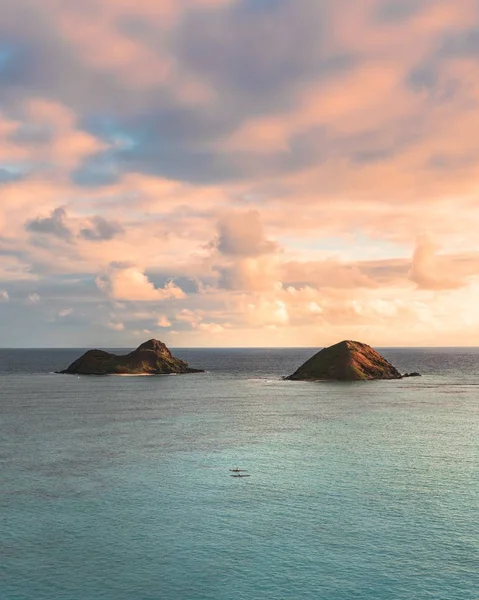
118, 488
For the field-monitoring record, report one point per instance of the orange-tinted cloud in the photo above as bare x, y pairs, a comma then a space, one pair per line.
241, 234
432, 271
129, 283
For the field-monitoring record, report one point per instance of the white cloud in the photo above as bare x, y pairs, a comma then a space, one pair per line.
4, 297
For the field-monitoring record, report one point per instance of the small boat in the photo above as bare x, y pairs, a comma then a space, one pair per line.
240, 475
238, 470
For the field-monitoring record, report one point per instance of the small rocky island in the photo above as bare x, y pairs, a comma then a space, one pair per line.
151, 358
346, 361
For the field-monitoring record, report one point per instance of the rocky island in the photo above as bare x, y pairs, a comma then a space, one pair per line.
151, 358
346, 361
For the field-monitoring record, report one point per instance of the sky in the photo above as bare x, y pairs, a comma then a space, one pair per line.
239, 172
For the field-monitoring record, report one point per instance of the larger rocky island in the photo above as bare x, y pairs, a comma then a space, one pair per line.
151, 358
346, 361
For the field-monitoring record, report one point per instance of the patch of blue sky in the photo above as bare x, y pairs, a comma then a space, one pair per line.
6, 55
123, 141
107, 128
13, 172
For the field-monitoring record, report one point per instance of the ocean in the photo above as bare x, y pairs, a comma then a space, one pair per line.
119, 488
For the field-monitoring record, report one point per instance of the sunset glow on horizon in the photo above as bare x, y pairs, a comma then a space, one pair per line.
239, 172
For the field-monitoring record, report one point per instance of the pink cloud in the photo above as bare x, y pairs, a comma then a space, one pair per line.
433, 271
131, 284
64, 144
163, 321
212, 328
241, 234
109, 48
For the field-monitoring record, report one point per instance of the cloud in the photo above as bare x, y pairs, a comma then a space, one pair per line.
53, 225
246, 259
433, 271
128, 283
115, 326
33, 298
261, 311
253, 274
329, 273
241, 234
211, 328
100, 230
194, 321
163, 321
258, 57
4, 296
188, 316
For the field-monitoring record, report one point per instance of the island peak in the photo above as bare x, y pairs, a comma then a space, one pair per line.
155, 346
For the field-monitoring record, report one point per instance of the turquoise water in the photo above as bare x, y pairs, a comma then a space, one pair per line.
119, 488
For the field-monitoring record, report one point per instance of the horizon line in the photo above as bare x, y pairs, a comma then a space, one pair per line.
224, 347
